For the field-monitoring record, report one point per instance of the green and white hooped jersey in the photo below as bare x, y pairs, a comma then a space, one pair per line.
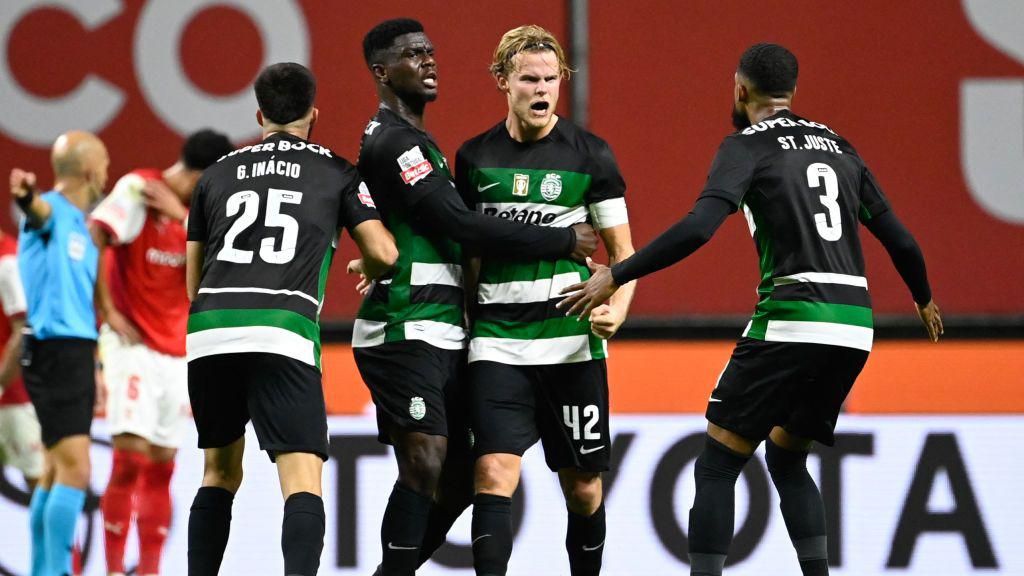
422, 298
804, 190
561, 180
268, 216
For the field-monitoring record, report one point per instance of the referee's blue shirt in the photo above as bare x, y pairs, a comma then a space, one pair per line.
58, 269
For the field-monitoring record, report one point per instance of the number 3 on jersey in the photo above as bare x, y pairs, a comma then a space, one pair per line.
248, 201
830, 227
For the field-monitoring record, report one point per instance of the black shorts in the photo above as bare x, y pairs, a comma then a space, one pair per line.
416, 387
563, 405
798, 386
60, 377
283, 396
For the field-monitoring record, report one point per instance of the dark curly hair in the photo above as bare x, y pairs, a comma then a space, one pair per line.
771, 68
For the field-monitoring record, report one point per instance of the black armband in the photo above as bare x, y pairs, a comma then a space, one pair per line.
25, 201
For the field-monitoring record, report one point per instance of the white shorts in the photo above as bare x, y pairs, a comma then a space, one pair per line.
20, 439
147, 392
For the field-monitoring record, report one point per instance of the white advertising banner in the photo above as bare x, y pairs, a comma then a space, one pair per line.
905, 495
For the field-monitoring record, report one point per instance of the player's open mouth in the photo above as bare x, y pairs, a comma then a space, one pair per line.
430, 81
540, 107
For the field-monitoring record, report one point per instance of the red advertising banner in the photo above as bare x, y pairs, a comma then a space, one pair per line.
932, 94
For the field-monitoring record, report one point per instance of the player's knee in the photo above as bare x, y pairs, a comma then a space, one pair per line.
494, 476
420, 464
782, 462
223, 475
583, 494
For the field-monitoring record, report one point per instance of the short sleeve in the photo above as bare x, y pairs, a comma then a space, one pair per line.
197, 217
357, 205
606, 198
731, 172
123, 212
873, 202
404, 158
12, 296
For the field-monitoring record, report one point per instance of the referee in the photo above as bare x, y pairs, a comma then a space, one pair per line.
58, 260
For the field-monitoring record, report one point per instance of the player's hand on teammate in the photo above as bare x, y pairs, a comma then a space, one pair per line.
586, 241
584, 297
22, 183
605, 321
99, 406
932, 318
356, 267
161, 198
122, 326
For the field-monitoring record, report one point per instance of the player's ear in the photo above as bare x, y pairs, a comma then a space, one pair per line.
502, 82
259, 117
380, 73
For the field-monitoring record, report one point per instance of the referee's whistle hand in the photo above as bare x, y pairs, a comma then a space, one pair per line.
22, 183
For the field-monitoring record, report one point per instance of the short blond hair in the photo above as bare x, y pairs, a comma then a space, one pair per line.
529, 38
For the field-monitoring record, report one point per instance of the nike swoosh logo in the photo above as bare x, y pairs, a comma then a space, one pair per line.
480, 188
391, 546
713, 399
589, 549
479, 538
585, 450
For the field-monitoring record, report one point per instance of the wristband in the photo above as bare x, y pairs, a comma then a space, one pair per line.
25, 201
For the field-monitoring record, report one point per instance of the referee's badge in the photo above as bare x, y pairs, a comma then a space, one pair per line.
417, 408
521, 185
551, 187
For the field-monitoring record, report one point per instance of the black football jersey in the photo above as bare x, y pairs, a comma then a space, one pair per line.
803, 188
269, 216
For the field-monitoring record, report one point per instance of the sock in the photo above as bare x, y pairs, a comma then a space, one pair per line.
209, 523
801, 506
35, 520
59, 521
116, 505
443, 515
302, 534
712, 517
154, 513
584, 541
401, 532
492, 534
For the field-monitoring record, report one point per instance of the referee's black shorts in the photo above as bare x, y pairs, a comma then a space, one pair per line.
60, 377
282, 396
800, 387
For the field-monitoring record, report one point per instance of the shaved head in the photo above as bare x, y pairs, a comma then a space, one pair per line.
75, 153
79, 155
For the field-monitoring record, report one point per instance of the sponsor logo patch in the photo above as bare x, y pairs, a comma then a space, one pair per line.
521, 185
364, 196
551, 187
414, 165
417, 408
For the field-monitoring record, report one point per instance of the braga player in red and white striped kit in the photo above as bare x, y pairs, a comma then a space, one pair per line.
141, 295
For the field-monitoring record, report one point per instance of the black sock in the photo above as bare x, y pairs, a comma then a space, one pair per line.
401, 532
712, 516
209, 523
492, 534
302, 533
443, 515
584, 540
802, 507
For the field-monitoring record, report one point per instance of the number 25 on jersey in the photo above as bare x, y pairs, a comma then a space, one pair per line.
248, 201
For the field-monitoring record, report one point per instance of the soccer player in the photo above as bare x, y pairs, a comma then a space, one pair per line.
142, 343
20, 440
409, 337
803, 189
57, 261
261, 234
535, 374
